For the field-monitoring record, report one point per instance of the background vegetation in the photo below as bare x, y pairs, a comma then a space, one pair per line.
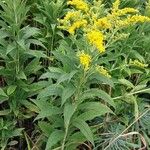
48, 100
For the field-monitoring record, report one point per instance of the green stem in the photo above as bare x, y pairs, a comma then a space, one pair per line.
76, 98
137, 92
64, 140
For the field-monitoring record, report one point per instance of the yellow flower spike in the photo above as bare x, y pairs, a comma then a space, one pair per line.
103, 71
79, 4
125, 11
138, 63
96, 38
121, 36
85, 60
132, 20
115, 6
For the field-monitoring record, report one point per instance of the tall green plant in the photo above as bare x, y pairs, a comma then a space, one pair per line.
20, 61
78, 105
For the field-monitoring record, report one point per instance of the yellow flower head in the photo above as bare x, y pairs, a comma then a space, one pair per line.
96, 38
103, 23
103, 71
79, 4
138, 64
85, 60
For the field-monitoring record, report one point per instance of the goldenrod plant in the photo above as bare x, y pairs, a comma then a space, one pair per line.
74, 74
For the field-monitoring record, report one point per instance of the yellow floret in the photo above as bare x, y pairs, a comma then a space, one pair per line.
103, 71
96, 38
125, 11
85, 60
103, 23
76, 25
132, 20
71, 15
79, 4
115, 6
138, 64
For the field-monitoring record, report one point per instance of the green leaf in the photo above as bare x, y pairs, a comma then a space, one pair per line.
4, 112
92, 93
12, 143
69, 110
37, 54
36, 42
67, 93
11, 89
136, 108
66, 76
33, 66
74, 140
30, 106
93, 109
50, 90
16, 132
139, 87
54, 138
3, 96
84, 128
102, 79
54, 69
2, 93
147, 90
126, 83
10, 47
46, 109
45, 127
30, 31
21, 43
21, 75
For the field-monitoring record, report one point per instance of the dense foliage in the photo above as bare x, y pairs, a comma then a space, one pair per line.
74, 74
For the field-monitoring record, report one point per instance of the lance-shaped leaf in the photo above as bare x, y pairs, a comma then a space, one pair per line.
84, 128
92, 93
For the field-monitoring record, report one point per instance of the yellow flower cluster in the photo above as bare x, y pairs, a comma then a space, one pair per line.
115, 6
79, 4
132, 20
96, 38
117, 13
103, 71
76, 25
85, 60
138, 64
97, 27
103, 23
124, 11
70, 15
72, 21
121, 36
